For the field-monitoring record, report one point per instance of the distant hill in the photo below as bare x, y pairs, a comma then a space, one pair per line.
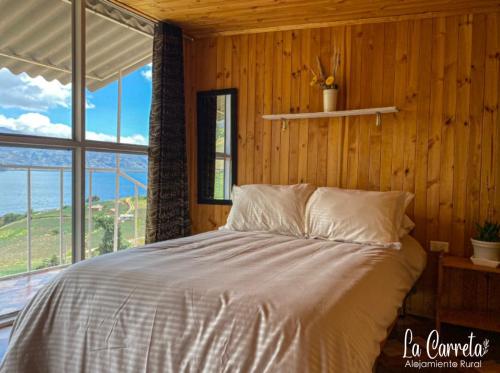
7, 130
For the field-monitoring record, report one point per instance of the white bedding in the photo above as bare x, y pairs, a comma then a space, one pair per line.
220, 301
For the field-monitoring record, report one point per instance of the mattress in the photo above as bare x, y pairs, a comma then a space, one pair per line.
220, 301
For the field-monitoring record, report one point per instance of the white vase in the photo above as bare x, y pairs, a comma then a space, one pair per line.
486, 250
330, 99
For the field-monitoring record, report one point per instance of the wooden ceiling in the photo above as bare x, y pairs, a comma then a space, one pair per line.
201, 18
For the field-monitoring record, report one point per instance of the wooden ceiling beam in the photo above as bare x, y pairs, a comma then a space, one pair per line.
221, 17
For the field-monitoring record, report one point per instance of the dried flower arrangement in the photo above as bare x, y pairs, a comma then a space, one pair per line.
321, 79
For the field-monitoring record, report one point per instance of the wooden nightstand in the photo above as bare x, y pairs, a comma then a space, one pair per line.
472, 319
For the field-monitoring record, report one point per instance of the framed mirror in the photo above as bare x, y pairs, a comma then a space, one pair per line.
217, 145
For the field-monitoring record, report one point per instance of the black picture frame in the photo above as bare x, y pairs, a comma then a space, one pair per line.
201, 172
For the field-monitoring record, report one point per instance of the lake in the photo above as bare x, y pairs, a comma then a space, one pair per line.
45, 189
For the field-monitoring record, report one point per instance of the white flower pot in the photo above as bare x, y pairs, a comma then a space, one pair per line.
330, 99
486, 250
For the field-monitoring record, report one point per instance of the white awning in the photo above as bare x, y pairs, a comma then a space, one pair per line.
35, 38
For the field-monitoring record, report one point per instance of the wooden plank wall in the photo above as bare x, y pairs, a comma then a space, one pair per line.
444, 145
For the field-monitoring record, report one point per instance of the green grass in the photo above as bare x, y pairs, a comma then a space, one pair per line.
45, 236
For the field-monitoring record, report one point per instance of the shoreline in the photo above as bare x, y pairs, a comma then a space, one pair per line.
56, 209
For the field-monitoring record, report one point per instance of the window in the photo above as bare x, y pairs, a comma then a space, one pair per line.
42, 150
222, 186
216, 113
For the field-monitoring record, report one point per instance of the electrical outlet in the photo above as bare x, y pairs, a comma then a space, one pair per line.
440, 246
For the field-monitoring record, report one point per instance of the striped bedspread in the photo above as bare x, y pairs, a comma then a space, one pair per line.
217, 302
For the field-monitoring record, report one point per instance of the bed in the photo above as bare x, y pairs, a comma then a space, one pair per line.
221, 301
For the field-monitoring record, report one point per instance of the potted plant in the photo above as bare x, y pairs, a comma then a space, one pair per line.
487, 242
328, 82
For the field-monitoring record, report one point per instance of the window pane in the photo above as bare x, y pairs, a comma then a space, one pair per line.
115, 199
39, 181
51, 227
101, 114
220, 130
118, 65
219, 179
136, 104
35, 68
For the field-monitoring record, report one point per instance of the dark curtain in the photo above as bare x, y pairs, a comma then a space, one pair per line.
207, 118
168, 210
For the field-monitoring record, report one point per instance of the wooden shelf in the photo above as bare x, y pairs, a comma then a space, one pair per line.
472, 319
466, 264
332, 114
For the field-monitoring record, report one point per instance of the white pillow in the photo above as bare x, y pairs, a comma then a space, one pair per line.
269, 208
406, 227
407, 224
356, 216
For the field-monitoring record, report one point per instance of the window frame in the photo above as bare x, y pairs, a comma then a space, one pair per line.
78, 144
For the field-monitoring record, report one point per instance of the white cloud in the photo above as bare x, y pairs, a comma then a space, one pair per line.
33, 94
35, 124
147, 72
134, 139
40, 125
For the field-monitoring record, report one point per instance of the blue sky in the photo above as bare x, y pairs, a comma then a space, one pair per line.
38, 107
